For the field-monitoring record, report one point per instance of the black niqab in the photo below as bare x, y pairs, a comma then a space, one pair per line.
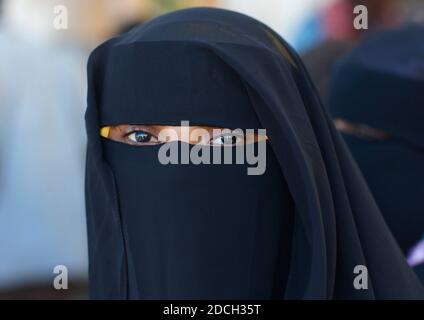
381, 84
298, 231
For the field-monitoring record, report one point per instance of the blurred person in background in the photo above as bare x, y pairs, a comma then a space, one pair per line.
330, 33
377, 100
42, 140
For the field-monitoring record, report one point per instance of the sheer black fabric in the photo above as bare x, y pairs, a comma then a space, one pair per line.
221, 68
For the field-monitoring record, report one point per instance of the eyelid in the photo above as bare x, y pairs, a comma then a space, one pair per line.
134, 142
228, 134
136, 128
109, 132
238, 137
241, 135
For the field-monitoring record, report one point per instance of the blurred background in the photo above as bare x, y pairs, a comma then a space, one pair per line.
42, 104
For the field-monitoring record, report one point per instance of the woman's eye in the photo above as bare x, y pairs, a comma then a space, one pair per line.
226, 140
142, 137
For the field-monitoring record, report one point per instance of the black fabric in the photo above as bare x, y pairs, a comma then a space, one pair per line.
419, 270
304, 225
320, 60
202, 231
380, 84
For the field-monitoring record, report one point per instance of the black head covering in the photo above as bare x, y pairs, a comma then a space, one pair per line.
297, 231
319, 62
381, 84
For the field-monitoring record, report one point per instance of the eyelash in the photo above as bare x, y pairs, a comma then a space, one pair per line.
238, 136
135, 130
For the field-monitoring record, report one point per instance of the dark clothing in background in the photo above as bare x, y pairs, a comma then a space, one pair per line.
212, 231
320, 60
419, 270
380, 84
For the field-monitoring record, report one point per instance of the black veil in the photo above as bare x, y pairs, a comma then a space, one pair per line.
337, 224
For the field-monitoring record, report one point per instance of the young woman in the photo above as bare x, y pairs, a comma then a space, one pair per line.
300, 230
377, 98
